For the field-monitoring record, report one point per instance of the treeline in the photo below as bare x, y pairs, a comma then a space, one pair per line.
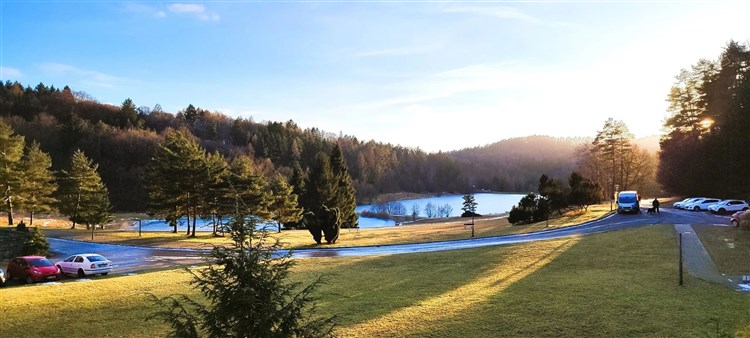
514, 165
123, 139
706, 149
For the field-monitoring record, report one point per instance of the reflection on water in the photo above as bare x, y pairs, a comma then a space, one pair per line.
487, 203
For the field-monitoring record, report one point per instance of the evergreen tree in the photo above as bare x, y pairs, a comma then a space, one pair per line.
345, 194
583, 191
11, 151
298, 189
247, 292
178, 179
284, 208
217, 192
320, 196
553, 193
83, 196
469, 205
38, 183
250, 188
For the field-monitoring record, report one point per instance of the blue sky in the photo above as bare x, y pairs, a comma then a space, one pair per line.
433, 75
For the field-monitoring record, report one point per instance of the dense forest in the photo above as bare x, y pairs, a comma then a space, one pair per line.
706, 150
122, 139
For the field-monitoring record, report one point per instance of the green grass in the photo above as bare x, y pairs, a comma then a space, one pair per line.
729, 247
622, 283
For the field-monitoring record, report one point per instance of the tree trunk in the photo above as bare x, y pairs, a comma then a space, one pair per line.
9, 206
279, 223
187, 215
31, 218
194, 219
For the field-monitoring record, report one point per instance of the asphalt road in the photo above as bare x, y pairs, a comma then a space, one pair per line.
129, 259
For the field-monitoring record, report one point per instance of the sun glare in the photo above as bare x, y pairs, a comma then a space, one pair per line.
439, 308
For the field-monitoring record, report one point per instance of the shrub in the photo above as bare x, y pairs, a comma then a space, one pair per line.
35, 244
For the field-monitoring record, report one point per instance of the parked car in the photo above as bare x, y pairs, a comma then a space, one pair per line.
2, 277
728, 206
735, 220
681, 204
701, 204
32, 269
85, 265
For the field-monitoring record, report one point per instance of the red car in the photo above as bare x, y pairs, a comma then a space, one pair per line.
32, 269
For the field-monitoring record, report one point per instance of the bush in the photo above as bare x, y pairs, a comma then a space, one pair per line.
35, 244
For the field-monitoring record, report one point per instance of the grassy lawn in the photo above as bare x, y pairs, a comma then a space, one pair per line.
621, 283
439, 231
729, 248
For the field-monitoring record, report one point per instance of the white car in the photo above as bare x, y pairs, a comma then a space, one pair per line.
85, 265
701, 204
681, 204
728, 206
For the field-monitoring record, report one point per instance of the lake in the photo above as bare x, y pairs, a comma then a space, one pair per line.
487, 203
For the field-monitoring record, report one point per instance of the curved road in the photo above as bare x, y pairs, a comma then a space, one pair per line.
130, 258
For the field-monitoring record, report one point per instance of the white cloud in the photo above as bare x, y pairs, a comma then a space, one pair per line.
495, 12
197, 10
83, 76
8, 73
395, 51
144, 10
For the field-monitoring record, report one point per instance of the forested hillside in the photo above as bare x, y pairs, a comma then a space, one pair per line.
122, 139
516, 164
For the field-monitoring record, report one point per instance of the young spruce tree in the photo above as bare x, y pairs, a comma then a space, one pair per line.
83, 196
247, 292
37, 183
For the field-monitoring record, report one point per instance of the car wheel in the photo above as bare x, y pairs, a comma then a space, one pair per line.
61, 270
8, 276
697, 208
722, 210
81, 273
29, 280
105, 273
735, 223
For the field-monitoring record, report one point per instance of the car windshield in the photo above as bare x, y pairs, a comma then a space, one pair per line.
40, 262
627, 199
96, 258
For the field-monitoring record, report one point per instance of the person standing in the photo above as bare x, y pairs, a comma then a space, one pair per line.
655, 204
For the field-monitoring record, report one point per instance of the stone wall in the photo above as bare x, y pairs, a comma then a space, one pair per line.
11, 242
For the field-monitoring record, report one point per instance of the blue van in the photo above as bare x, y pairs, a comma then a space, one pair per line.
628, 202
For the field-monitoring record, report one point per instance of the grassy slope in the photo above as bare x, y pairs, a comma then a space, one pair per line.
614, 284
439, 231
729, 248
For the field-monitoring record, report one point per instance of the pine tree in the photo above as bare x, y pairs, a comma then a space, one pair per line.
83, 195
177, 179
345, 199
284, 208
250, 188
216, 205
38, 183
11, 150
